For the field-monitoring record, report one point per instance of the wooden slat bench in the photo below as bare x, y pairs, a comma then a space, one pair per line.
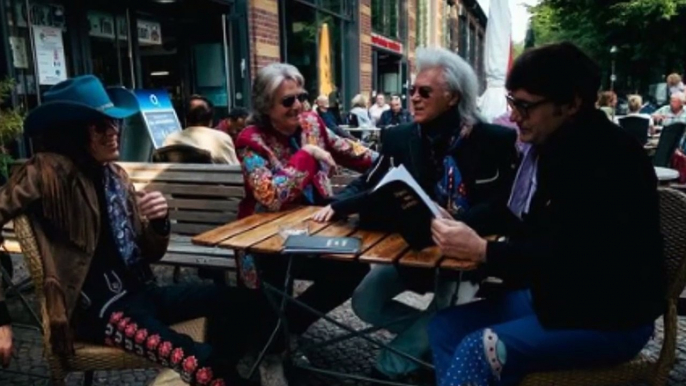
200, 197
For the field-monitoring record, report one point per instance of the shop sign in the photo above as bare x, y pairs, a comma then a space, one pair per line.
20, 58
50, 58
384, 42
47, 15
159, 115
102, 26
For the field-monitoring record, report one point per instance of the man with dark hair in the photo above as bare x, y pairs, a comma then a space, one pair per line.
396, 115
199, 133
583, 239
234, 123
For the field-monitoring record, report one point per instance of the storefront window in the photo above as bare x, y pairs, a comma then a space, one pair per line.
472, 46
333, 5
386, 17
301, 43
109, 48
463, 26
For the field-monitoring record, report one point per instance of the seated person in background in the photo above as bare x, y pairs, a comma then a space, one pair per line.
673, 113
98, 236
234, 123
359, 115
461, 162
378, 108
395, 116
635, 105
322, 109
588, 260
199, 133
607, 102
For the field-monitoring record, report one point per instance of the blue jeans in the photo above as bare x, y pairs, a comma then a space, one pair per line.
499, 341
373, 302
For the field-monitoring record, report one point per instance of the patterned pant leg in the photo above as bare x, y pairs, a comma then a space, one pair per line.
478, 361
147, 337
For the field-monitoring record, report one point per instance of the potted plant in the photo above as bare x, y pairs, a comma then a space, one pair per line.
11, 125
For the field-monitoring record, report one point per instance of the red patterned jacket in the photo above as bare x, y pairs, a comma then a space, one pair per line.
277, 172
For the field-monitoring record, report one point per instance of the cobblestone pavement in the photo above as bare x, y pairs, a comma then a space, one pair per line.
353, 356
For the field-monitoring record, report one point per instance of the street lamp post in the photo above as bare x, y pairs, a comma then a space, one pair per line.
613, 77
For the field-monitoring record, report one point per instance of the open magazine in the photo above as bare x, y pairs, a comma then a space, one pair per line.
408, 205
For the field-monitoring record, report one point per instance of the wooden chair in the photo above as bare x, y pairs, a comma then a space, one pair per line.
642, 368
87, 358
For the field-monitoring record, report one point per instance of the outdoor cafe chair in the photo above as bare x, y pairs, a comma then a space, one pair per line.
655, 371
637, 127
87, 358
669, 140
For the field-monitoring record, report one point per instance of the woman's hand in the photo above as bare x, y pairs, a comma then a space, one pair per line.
324, 214
152, 205
457, 240
320, 154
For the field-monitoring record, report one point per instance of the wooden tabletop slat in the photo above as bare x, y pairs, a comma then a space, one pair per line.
458, 265
426, 258
387, 251
274, 244
217, 235
368, 238
266, 230
338, 229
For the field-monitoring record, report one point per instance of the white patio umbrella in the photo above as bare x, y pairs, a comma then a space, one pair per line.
497, 59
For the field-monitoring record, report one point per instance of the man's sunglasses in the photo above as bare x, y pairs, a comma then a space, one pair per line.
424, 91
523, 107
289, 101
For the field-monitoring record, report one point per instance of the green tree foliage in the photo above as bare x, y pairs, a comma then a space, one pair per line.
650, 35
11, 124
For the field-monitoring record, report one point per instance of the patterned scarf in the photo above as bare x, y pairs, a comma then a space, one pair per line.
450, 190
120, 218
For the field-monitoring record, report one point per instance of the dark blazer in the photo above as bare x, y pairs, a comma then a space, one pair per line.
389, 118
487, 160
590, 247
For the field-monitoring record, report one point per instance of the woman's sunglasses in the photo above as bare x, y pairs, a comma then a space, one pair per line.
106, 124
424, 91
289, 101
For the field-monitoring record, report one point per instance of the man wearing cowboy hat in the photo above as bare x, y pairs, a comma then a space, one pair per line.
97, 237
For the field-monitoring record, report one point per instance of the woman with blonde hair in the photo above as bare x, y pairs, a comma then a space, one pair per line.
675, 84
635, 105
359, 115
607, 100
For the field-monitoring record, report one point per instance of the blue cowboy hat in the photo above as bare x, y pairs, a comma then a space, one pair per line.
80, 99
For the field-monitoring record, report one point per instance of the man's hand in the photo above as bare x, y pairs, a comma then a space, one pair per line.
152, 205
324, 214
6, 345
443, 213
457, 240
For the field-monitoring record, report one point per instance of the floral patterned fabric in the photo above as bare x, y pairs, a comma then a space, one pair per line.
120, 219
277, 173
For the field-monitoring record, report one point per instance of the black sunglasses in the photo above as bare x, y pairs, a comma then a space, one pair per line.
289, 101
104, 125
523, 107
424, 91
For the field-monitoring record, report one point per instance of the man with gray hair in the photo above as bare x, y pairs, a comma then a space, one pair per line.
462, 163
674, 112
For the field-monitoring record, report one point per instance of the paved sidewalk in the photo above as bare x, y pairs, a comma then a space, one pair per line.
352, 356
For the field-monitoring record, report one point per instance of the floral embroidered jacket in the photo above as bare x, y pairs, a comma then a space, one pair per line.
279, 174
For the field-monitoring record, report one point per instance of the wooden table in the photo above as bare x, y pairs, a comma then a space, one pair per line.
259, 233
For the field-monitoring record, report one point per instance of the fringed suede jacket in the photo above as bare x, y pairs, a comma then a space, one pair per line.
62, 205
